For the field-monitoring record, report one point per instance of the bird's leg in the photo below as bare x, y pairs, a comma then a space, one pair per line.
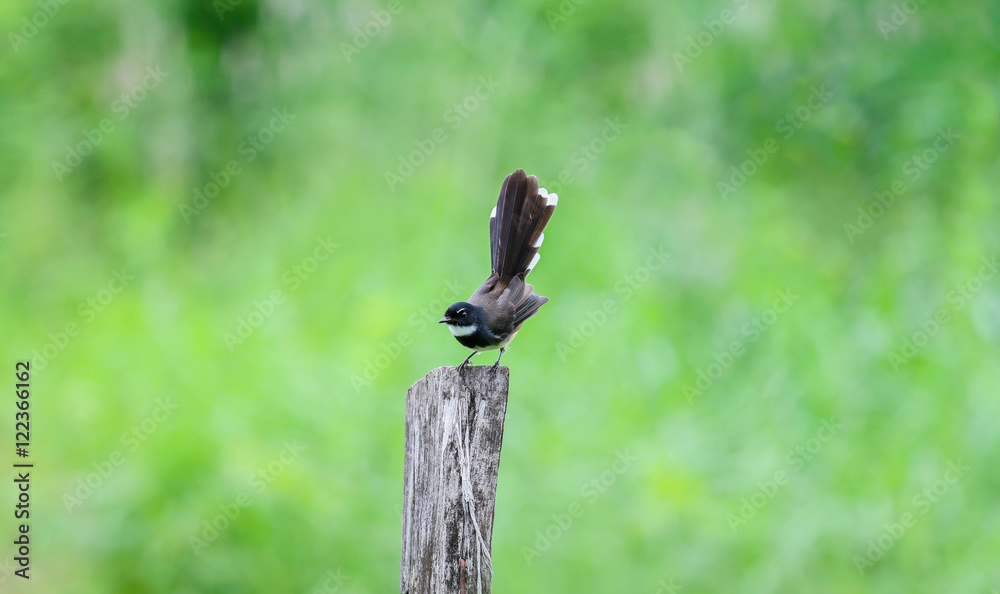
466, 362
495, 365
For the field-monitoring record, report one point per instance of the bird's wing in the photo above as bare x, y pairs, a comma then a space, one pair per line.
522, 297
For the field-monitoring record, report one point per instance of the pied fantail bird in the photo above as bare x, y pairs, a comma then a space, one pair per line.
493, 315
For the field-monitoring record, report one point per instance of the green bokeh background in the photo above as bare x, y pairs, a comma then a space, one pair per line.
584, 388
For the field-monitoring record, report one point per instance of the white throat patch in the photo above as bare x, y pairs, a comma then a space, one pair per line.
461, 330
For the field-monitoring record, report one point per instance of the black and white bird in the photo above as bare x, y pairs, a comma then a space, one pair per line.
490, 319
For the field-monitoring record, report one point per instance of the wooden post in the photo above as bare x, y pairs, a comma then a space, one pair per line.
454, 430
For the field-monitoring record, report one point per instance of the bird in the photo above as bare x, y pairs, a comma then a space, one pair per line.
493, 315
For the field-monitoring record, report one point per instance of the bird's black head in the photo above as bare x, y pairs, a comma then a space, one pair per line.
461, 314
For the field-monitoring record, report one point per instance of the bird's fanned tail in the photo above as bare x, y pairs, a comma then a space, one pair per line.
517, 224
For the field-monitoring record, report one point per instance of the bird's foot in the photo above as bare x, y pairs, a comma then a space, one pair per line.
496, 365
466, 362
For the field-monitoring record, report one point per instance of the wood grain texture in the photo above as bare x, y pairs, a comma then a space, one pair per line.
454, 431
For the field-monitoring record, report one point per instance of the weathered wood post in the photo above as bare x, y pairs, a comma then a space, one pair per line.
454, 430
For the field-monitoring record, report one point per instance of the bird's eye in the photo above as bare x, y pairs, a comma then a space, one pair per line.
463, 313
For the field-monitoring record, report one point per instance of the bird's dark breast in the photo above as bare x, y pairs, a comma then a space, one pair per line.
478, 340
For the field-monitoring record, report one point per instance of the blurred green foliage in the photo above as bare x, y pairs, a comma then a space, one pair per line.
635, 112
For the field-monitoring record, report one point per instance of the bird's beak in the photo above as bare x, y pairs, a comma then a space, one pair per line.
445, 320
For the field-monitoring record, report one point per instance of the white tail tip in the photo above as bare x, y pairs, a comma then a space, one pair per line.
534, 261
493, 213
541, 238
552, 199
